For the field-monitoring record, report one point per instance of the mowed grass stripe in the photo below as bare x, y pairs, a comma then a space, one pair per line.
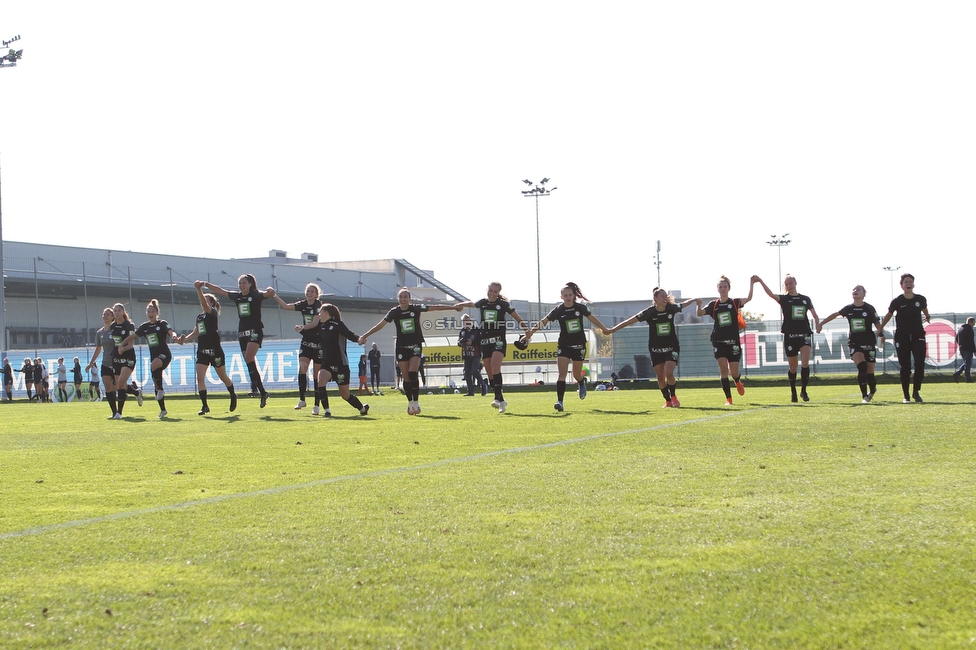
40, 530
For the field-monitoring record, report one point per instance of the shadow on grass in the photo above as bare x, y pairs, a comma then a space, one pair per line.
536, 415
226, 418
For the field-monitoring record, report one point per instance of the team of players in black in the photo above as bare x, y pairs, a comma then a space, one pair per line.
324, 336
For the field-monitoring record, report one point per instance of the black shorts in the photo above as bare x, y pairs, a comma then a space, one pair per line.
247, 337
165, 358
663, 355
340, 374
106, 371
311, 351
406, 353
492, 344
870, 352
793, 343
572, 352
118, 363
727, 350
211, 357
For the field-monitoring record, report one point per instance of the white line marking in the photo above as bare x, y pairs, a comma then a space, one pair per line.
40, 530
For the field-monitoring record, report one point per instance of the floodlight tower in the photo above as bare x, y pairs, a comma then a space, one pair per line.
657, 262
779, 242
9, 60
891, 277
536, 190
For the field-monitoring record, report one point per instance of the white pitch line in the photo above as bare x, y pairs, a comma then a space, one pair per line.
40, 530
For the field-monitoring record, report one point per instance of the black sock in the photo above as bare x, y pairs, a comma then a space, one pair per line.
354, 402
560, 390
727, 388
256, 383
804, 378
203, 398
302, 386
413, 379
496, 383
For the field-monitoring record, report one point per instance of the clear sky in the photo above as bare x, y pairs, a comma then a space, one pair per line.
404, 129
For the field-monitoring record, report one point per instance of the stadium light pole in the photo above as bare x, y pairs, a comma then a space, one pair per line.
3, 281
657, 262
9, 60
536, 190
779, 242
891, 277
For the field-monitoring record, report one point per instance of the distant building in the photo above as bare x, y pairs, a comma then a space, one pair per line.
55, 294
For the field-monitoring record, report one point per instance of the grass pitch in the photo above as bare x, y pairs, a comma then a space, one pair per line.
614, 524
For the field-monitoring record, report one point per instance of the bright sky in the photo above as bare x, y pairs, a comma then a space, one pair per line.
404, 129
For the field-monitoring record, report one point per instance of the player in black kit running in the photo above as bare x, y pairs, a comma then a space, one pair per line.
209, 351
492, 311
124, 359
662, 340
310, 349
409, 342
250, 329
333, 335
861, 342
157, 334
726, 345
571, 346
797, 334
911, 309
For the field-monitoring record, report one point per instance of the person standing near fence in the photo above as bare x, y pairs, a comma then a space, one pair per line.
727, 320
571, 345
966, 341
77, 377
797, 334
94, 391
492, 311
469, 340
363, 377
374, 368
250, 328
310, 348
209, 351
105, 344
8, 379
861, 342
662, 341
912, 313
62, 371
409, 342
41, 379
28, 371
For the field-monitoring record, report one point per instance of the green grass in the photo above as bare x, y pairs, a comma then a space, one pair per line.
615, 524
